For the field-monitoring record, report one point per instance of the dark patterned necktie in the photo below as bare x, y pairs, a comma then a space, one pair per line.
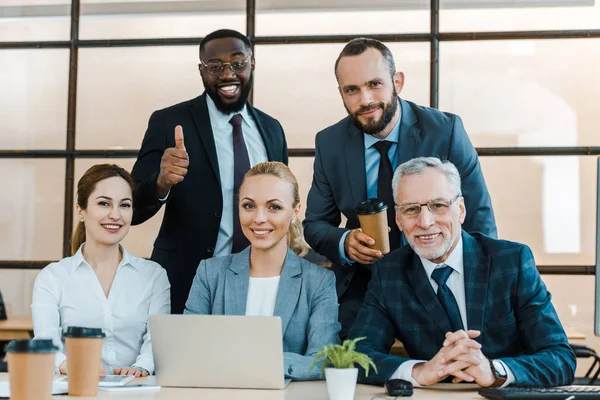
446, 298
241, 165
384, 189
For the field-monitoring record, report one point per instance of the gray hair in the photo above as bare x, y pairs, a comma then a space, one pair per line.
418, 166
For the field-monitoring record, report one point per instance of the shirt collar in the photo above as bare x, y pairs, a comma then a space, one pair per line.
454, 260
220, 120
78, 259
393, 137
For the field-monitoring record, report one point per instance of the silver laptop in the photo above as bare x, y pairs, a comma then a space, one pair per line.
218, 351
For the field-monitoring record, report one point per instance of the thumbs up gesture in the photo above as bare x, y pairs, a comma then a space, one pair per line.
173, 165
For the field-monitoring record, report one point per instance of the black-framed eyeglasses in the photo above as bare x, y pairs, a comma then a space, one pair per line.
237, 65
437, 207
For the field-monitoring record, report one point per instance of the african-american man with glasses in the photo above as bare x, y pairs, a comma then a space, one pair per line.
467, 307
193, 158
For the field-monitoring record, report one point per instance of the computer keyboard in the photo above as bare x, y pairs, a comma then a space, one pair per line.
562, 393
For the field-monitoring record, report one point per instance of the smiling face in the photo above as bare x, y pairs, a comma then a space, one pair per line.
266, 210
108, 214
368, 90
431, 236
229, 90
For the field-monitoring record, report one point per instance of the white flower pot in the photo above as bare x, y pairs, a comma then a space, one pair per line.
341, 383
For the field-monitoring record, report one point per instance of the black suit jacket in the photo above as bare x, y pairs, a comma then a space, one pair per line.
339, 182
190, 227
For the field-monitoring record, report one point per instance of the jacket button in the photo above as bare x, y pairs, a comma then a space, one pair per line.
210, 249
218, 214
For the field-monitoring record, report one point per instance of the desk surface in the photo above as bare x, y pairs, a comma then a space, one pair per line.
294, 391
16, 328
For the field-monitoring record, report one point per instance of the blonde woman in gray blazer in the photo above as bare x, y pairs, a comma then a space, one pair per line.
269, 278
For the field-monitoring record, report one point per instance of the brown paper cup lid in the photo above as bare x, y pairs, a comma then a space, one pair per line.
83, 332
31, 346
371, 206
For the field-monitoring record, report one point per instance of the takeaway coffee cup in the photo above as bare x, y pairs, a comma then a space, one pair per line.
372, 214
31, 368
84, 355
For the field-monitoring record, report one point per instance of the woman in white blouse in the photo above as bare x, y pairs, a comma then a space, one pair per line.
269, 278
101, 285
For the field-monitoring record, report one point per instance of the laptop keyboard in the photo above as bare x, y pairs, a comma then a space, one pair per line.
562, 393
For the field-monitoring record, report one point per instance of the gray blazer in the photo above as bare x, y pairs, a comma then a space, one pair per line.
306, 302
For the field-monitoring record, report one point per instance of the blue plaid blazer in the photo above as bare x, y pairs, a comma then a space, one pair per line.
506, 300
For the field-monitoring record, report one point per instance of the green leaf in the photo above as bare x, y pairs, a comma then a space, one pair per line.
342, 356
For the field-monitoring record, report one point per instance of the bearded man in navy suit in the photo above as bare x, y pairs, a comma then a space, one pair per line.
466, 307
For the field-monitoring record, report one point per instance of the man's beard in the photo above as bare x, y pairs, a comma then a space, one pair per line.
373, 127
228, 108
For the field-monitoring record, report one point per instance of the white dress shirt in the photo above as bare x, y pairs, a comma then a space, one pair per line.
257, 153
262, 294
68, 293
456, 284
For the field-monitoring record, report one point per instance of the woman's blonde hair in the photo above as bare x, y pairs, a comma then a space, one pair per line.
85, 187
295, 237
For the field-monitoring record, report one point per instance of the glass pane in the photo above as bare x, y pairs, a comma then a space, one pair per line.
302, 167
101, 19
140, 239
548, 203
573, 298
332, 17
34, 113
518, 15
119, 88
25, 20
296, 84
523, 93
31, 209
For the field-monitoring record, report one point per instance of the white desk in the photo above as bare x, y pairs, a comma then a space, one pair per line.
294, 391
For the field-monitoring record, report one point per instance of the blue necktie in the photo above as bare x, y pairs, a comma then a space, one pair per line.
384, 189
241, 165
446, 298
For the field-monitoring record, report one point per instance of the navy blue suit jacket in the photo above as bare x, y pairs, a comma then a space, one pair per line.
339, 181
506, 300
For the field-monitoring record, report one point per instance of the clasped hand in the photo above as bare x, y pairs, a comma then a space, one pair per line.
460, 357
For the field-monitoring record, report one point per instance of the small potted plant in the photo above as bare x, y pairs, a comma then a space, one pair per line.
337, 361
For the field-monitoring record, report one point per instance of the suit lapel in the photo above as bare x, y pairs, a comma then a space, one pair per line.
267, 139
236, 283
476, 268
290, 284
424, 292
410, 133
355, 163
199, 112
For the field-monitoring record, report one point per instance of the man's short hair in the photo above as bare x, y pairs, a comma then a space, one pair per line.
419, 165
222, 34
358, 46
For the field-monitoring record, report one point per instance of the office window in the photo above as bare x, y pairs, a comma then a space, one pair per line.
547, 203
332, 17
34, 20
523, 93
518, 15
296, 84
31, 209
33, 104
119, 88
102, 19
140, 239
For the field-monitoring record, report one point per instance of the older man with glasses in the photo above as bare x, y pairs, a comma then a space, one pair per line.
468, 308
198, 177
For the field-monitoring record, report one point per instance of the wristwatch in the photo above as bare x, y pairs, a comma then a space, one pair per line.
499, 373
